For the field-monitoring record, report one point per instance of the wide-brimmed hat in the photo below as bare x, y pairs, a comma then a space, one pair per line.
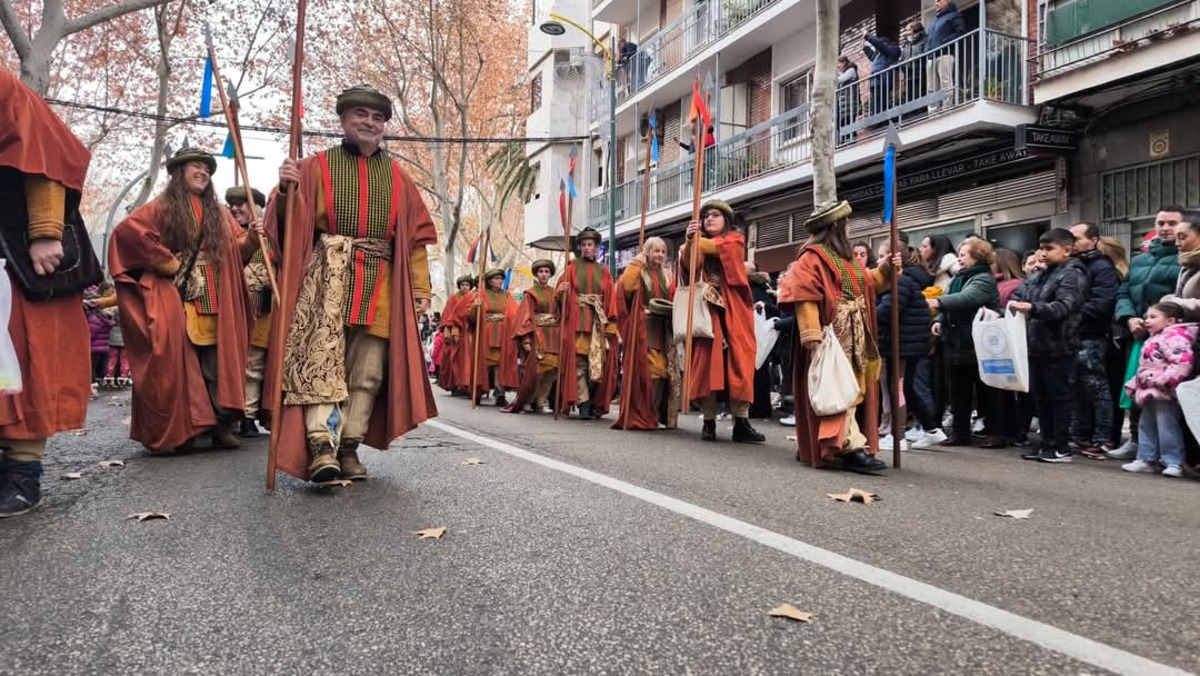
186, 155
494, 272
542, 263
827, 215
660, 307
238, 194
469, 279
589, 234
721, 206
365, 96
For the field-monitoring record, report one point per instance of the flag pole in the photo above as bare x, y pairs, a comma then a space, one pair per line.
562, 310
235, 135
693, 246
278, 329
479, 329
889, 177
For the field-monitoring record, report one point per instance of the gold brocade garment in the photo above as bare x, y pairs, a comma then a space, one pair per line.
597, 345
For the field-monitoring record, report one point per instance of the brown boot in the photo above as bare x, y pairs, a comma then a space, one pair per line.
351, 467
224, 437
323, 465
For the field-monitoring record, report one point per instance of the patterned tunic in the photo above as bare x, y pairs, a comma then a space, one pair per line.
545, 319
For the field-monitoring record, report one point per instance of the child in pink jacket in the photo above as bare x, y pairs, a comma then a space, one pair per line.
1167, 360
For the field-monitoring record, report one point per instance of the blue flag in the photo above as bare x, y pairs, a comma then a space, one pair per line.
653, 141
206, 89
507, 279
889, 183
227, 151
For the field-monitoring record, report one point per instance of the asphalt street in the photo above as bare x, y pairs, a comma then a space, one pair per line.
575, 549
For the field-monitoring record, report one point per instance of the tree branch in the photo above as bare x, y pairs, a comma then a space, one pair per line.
107, 14
12, 26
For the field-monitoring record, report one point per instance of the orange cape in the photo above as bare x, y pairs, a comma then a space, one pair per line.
464, 319
406, 398
607, 387
731, 370
522, 326
170, 399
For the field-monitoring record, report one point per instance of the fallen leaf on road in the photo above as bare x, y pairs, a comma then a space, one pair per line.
791, 612
472, 461
112, 463
340, 483
790, 437
855, 495
146, 516
127, 420
73, 475
1016, 513
431, 533
81, 433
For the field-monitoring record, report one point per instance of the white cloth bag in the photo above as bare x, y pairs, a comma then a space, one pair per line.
832, 385
1001, 350
701, 316
765, 335
10, 368
1188, 395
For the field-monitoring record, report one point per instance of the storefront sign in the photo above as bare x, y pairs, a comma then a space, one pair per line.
941, 173
1043, 139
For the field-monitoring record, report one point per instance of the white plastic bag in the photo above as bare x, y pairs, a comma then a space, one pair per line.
10, 368
832, 386
765, 335
1188, 395
1000, 349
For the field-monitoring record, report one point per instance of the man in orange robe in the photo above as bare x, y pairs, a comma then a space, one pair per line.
536, 330
650, 368
452, 376
489, 342
259, 285
356, 275
188, 358
589, 331
42, 170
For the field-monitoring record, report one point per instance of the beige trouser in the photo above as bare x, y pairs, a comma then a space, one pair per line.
940, 76
208, 369
23, 450
366, 361
255, 369
855, 439
582, 391
710, 407
545, 381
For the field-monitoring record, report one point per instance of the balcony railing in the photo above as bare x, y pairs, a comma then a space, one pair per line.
1160, 24
683, 38
980, 65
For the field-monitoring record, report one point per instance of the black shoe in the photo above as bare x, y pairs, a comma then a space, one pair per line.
502, 401
248, 429
745, 434
709, 431
859, 462
585, 411
22, 490
1055, 457
1033, 453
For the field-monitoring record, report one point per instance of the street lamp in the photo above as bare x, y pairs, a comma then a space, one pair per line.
555, 26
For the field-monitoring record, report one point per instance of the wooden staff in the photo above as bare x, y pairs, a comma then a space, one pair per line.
235, 134
893, 142
479, 329
562, 312
631, 339
693, 258
277, 326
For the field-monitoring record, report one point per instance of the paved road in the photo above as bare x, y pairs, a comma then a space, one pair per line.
574, 549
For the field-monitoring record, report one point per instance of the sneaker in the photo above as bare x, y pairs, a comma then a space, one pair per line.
1056, 456
789, 421
1140, 467
913, 435
1034, 453
930, 438
1127, 451
21, 490
1096, 451
1173, 471
888, 443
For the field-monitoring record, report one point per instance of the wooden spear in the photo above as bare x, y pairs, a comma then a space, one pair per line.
631, 339
694, 252
479, 328
278, 328
235, 135
889, 191
564, 330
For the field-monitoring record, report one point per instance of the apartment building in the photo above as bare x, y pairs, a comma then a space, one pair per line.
1123, 76
962, 167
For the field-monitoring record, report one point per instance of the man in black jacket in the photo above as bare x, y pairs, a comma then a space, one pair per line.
1092, 428
1053, 301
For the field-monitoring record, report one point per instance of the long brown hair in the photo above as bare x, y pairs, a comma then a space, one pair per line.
1007, 263
179, 218
835, 237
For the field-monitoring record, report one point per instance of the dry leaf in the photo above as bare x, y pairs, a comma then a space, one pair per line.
431, 533
472, 461
1016, 513
340, 483
790, 437
146, 516
127, 420
112, 463
791, 612
73, 475
855, 495
81, 433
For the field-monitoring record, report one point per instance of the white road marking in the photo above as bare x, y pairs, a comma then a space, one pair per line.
1072, 645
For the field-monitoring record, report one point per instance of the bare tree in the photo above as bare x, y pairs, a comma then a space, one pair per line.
824, 104
168, 22
36, 50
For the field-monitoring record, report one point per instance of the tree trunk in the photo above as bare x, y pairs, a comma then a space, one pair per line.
824, 106
166, 34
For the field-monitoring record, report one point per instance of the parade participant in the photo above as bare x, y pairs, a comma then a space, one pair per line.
590, 330
828, 288
536, 331
456, 360
42, 170
725, 362
650, 367
188, 359
496, 367
358, 277
259, 286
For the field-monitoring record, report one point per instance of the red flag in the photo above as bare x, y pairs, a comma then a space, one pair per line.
562, 203
699, 107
